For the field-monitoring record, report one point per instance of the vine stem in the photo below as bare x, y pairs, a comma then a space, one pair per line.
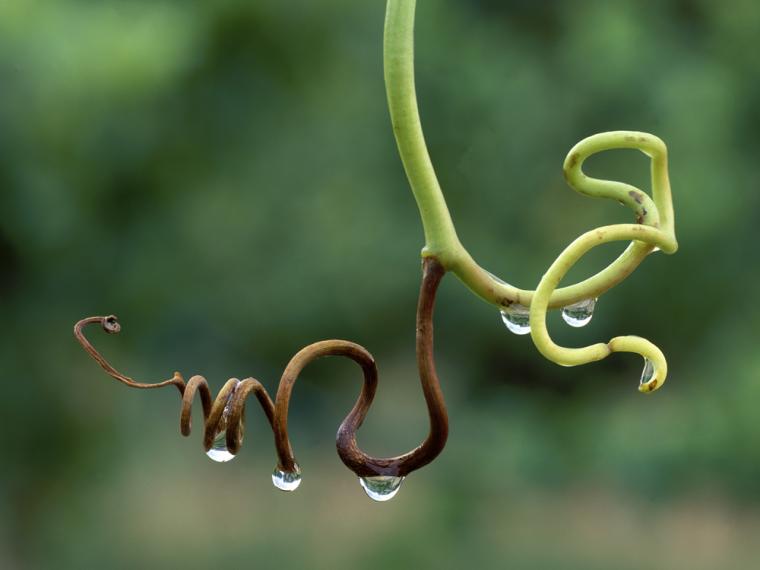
441, 238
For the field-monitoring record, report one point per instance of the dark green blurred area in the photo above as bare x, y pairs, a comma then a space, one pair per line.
223, 176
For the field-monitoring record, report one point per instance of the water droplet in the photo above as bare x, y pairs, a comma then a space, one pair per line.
655, 250
648, 373
517, 318
579, 314
381, 487
286, 480
218, 451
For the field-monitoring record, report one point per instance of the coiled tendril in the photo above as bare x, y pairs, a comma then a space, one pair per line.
223, 417
654, 229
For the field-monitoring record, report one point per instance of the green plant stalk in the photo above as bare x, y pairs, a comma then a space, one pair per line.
654, 216
441, 238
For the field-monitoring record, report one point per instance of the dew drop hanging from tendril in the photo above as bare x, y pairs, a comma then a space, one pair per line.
381, 487
517, 319
218, 451
648, 373
286, 480
579, 314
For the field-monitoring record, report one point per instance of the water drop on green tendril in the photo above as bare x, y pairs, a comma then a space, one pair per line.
648, 373
517, 319
579, 314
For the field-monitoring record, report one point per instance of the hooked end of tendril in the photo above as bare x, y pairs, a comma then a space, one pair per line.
111, 324
649, 387
652, 377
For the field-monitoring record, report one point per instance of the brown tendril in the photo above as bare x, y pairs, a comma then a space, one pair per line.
227, 411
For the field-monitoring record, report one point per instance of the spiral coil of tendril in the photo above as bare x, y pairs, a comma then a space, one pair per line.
223, 416
654, 228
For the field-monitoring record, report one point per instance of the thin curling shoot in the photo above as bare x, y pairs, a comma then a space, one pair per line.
654, 229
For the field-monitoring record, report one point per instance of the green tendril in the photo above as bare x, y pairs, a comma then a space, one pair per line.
654, 225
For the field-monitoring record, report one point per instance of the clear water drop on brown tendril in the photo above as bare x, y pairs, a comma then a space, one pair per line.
286, 480
382, 487
218, 451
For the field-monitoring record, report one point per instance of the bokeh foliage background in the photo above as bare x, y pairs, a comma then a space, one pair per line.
222, 176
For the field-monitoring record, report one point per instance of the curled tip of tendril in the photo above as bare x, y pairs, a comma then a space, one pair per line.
111, 324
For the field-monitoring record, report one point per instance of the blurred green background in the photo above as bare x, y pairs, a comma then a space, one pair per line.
223, 176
